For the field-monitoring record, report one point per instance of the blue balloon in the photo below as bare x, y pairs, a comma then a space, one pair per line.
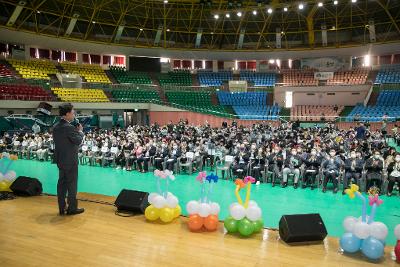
350, 243
372, 248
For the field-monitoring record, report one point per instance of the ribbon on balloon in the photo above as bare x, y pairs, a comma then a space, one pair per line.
6, 156
374, 201
247, 181
166, 175
202, 177
352, 192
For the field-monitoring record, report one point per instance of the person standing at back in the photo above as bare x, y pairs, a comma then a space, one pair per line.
67, 139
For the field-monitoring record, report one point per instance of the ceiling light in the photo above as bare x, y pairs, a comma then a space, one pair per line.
227, 15
165, 1
239, 14
141, 29
216, 16
212, 32
353, 1
93, 22
335, 2
301, 6
285, 9
254, 12
320, 4
269, 10
167, 30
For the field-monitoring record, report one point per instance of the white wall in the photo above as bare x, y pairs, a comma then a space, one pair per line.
343, 95
44, 41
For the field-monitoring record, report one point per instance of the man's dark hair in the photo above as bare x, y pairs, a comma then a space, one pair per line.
65, 108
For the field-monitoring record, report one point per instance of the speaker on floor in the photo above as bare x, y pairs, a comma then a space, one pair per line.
132, 201
26, 186
302, 228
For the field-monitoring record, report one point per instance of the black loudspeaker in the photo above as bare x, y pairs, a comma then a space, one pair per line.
132, 201
302, 228
26, 186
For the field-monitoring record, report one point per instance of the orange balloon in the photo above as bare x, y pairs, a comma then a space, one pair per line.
195, 222
211, 222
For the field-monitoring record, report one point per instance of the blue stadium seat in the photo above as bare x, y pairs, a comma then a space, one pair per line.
388, 74
258, 78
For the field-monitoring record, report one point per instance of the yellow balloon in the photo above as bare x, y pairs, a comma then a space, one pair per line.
177, 211
152, 213
166, 214
5, 186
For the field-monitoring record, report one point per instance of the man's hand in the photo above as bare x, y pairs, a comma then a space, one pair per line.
80, 127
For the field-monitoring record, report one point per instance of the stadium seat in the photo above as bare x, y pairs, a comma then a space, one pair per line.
91, 73
34, 69
258, 78
209, 78
123, 76
80, 95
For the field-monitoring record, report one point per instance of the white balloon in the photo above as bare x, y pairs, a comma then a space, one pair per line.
192, 207
151, 197
233, 205
348, 223
238, 212
378, 230
366, 218
253, 213
252, 203
214, 208
361, 230
205, 210
10, 176
159, 202
397, 232
172, 201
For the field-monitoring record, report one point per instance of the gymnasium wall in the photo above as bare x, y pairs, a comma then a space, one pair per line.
162, 118
323, 95
43, 41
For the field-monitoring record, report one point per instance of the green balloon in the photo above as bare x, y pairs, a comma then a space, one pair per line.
231, 225
245, 228
258, 225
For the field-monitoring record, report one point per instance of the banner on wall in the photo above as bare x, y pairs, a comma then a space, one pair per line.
238, 86
325, 64
323, 75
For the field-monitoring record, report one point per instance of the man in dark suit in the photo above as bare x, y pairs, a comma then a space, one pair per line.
67, 139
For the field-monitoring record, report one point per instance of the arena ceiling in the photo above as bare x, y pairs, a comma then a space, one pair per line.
220, 24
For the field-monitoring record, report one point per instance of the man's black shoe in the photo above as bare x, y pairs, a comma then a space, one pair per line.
75, 212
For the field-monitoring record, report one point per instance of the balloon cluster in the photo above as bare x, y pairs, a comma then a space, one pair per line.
244, 218
7, 176
364, 233
164, 204
397, 247
204, 213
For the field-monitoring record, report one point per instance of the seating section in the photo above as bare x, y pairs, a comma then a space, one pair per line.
242, 99
388, 74
5, 71
34, 69
195, 101
208, 78
258, 78
176, 77
80, 95
249, 105
91, 73
315, 113
135, 95
299, 78
388, 103
355, 76
23, 92
123, 76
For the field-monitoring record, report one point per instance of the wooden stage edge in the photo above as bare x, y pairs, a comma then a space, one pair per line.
32, 234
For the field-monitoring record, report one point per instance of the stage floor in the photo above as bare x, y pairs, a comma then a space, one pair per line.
32, 234
274, 201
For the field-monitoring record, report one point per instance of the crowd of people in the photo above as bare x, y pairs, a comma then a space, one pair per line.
310, 157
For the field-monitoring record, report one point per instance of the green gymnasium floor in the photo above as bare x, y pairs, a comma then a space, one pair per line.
274, 202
